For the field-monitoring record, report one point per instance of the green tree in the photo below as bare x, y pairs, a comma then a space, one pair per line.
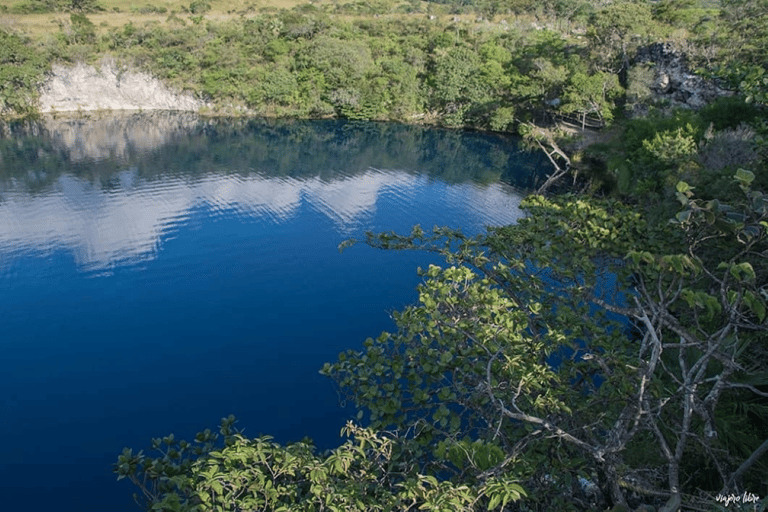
744, 34
229, 472
22, 70
85, 5
586, 95
616, 30
83, 29
674, 12
513, 344
743, 41
642, 158
43, 6
455, 80
493, 70
344, 65
276, 86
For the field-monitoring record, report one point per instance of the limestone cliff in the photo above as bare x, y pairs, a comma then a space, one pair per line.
83, 87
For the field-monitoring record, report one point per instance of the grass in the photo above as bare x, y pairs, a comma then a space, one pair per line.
118, 13
115, 14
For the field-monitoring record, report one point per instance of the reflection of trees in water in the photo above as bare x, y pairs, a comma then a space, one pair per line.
158, 144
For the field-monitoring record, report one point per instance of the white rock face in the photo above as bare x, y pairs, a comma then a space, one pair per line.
84, 87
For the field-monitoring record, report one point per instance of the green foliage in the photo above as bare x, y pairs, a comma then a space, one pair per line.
640, 78
703, 148
83, 29
505, 346
46, 6
447, 72
199, 7
455, 81
84, 5
749, 79
366, 69
672, 147
343, 66
745, 36
484, 338
502, 118
36, 7
22, 70
678, 13
276, 86
729, 112
591, 94
742, 43
616, 30
363, 474
654, 152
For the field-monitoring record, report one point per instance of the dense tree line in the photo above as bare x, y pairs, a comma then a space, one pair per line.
312, 62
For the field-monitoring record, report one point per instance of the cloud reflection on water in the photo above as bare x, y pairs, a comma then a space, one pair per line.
103, 228
110, 189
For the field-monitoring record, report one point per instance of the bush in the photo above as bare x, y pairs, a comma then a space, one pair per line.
199, 7
365, 474
729, 112
36, 7
22, 70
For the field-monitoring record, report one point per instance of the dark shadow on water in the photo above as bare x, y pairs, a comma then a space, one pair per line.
97, 147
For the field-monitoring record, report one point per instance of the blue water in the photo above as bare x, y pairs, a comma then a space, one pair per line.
159, 274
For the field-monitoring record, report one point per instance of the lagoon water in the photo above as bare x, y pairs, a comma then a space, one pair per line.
159, 272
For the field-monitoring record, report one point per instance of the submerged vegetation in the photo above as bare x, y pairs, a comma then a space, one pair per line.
609, 351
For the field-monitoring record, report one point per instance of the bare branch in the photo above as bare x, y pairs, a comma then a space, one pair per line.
535, 420
550, 148
747, 386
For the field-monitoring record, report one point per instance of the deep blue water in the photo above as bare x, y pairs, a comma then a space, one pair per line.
158, 273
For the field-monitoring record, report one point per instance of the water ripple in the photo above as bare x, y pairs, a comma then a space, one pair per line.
126, 223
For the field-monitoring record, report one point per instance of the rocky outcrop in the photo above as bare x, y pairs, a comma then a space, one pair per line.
82, 87
673, 81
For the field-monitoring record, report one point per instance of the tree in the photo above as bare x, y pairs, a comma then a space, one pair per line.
84, 5
22, 71
343, 66
456, 82
744, 35
514, 346
587, 94
614, 31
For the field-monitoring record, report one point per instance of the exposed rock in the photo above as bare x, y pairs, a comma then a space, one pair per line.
84, 87
673, 80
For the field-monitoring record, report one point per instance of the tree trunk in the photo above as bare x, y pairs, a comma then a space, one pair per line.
612, 480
